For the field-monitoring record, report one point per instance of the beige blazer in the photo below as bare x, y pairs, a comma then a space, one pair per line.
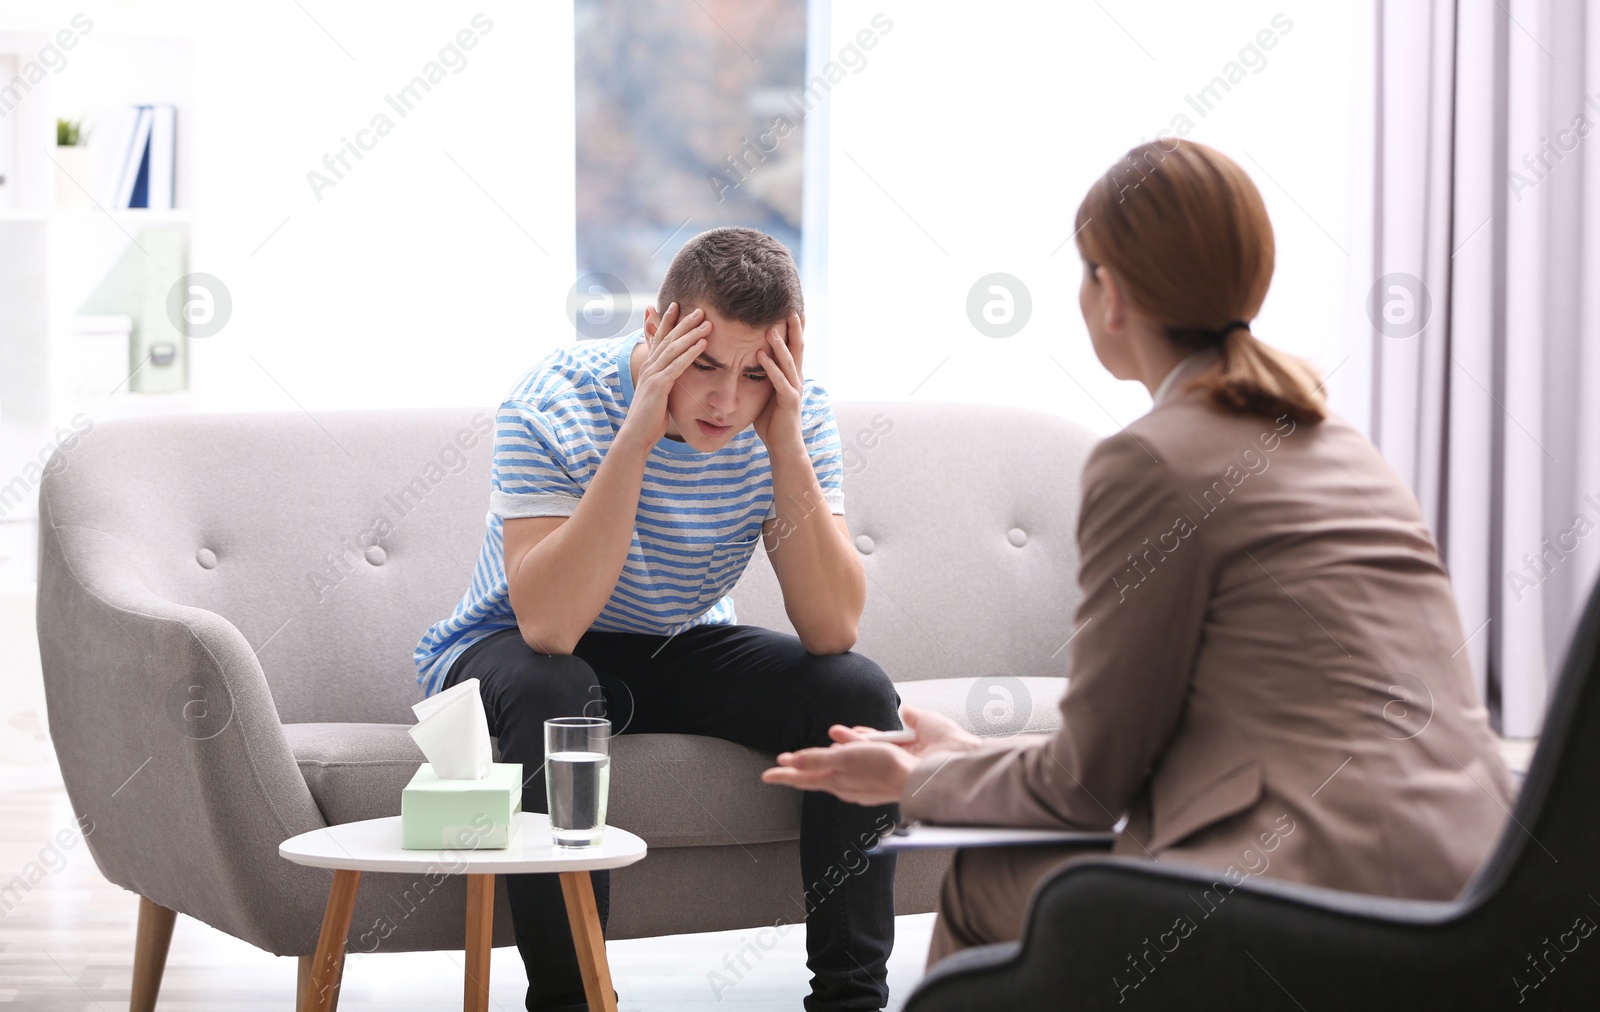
1268, 675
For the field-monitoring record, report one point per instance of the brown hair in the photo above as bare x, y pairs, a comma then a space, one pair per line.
745, 275
1187, 235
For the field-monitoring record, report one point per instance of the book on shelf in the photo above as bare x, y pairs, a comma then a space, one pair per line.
142, 143
163, 153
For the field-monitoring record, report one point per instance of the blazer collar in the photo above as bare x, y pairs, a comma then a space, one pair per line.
1193, 363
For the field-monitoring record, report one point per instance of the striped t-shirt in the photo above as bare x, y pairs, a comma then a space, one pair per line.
699, 515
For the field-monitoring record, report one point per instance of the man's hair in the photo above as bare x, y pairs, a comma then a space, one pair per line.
743, 274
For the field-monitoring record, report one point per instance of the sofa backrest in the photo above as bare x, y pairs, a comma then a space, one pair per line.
965, 516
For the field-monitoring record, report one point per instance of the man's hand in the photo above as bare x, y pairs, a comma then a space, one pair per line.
678, 343
778, 424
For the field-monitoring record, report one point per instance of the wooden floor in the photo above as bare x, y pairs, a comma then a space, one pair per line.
68, 945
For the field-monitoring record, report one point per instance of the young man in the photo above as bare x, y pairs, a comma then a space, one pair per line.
632, 478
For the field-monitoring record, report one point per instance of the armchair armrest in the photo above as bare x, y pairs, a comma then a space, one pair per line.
170, 744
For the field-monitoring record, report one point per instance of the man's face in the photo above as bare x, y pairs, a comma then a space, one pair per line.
726, 386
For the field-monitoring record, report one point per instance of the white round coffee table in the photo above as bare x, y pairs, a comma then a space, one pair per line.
374, 845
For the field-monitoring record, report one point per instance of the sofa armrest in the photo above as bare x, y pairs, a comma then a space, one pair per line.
170, 745
1109, 930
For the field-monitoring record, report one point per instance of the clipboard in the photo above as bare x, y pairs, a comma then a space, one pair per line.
922, 837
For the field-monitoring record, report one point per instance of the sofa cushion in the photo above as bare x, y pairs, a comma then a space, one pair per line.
674, 790
993, 706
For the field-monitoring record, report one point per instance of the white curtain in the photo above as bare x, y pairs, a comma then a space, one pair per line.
1486, 212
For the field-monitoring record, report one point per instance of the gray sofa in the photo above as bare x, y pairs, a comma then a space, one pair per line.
227, 656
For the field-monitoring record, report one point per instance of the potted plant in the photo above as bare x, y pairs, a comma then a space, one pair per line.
72, 161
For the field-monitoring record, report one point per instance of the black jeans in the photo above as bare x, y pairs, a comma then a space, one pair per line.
743, 683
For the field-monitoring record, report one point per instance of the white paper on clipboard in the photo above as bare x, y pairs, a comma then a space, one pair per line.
920, 837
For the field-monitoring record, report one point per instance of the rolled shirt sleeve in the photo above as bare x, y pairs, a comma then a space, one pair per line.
820, 429
529, 475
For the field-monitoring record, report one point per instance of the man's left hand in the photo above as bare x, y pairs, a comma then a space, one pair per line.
778, 425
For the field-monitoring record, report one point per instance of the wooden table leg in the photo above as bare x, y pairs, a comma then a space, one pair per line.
480, 939
584, 916
327, 968
150, 953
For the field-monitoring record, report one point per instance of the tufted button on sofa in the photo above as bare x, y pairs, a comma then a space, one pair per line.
228, 637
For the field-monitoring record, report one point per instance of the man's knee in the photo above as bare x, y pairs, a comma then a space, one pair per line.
558, 682
851, 688
521, 689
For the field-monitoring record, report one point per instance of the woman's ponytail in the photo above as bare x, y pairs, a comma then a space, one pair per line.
1187, 235
1257, 379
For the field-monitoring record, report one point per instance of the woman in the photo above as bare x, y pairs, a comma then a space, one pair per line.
1268, 675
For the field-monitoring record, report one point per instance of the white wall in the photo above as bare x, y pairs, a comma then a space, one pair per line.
406, 284
413, 281
965, 143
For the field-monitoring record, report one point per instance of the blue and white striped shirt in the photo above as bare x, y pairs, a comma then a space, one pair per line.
699, 516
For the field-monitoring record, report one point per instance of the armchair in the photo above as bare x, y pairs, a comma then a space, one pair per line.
1106, 933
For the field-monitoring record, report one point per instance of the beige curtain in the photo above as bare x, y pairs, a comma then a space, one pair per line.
1485, 311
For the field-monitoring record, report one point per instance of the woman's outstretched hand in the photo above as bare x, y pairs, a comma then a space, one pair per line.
861, 772
869, 772
935, 733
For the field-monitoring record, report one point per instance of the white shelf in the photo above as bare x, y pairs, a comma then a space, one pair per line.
126, 216
63, 258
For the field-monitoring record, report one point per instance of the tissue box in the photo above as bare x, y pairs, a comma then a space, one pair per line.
437, 814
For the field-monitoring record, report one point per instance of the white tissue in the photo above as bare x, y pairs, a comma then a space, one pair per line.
453, 732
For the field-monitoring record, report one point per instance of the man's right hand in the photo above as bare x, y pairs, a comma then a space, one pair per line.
678, 342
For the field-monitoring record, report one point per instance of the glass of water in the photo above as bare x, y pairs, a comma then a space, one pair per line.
577, 778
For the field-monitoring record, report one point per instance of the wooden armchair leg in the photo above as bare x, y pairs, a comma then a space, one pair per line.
150, 954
